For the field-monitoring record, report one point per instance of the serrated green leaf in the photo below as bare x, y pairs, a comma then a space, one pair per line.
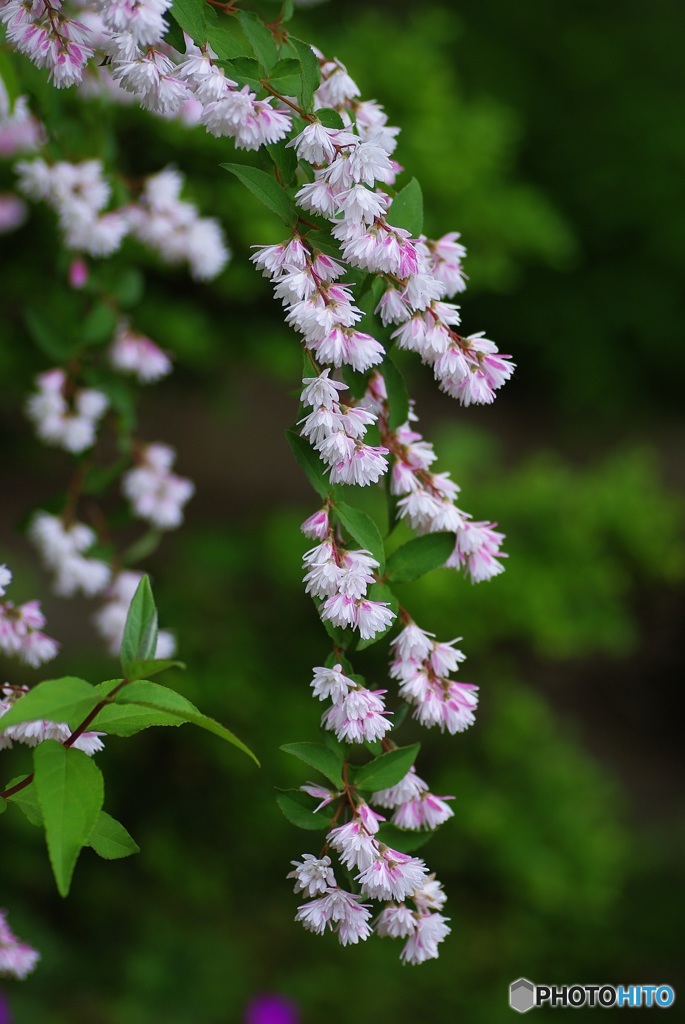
301, 816
285, 159
244, 70
110, 839
310, 72
286, 76
227, 40
70, 791
398, 396
380, 592
151, 667
155, 697
58, 700
27, 801
419, 556
127, 720
387, 770
140, 632
319, 757
363, 529
309, 461
406, 210
329, 118
190, 15
266, 189
404, 840
261, 40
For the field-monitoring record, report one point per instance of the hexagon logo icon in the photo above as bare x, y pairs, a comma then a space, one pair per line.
522, 995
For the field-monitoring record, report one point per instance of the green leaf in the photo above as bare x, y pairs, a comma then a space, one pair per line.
151, 667
398, 396
309, 461
287, 10
174, 36
340, 637
58, 700
286, 76
406, 210
245, 71
155, 697
128, 287
129, 719
227, 40
143, 547
70, 791
52, 343
261, 40
404, 840
3, 805
190, 15
27, 801
99, 324
363, 529
379, 592
419, 556
9, 78
110, 839
295, 809
319, 757
266, 189
387, 770
285, 160
140, 632
310, 72
329, 118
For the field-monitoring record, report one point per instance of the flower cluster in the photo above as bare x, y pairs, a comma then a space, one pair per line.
17, 958
414, 806
337, 432
156, 494
64, 415
422, 667
356, 715
21, 628
134, 354
64, 549
340, 578
159, 218
383, 874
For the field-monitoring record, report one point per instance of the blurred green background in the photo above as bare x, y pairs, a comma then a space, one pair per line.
551, 136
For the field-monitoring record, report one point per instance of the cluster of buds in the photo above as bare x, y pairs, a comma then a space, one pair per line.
156, 494
65, 415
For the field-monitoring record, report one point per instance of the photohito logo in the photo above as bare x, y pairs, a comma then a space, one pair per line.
524, 995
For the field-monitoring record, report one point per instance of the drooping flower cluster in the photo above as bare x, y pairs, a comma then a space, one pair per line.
340, 578
159, 218
134, 354
337, 431
414, 806
422, 667
17, 958
64, 549
356, 714
65, 415
21, 628
156, 494
383, 874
